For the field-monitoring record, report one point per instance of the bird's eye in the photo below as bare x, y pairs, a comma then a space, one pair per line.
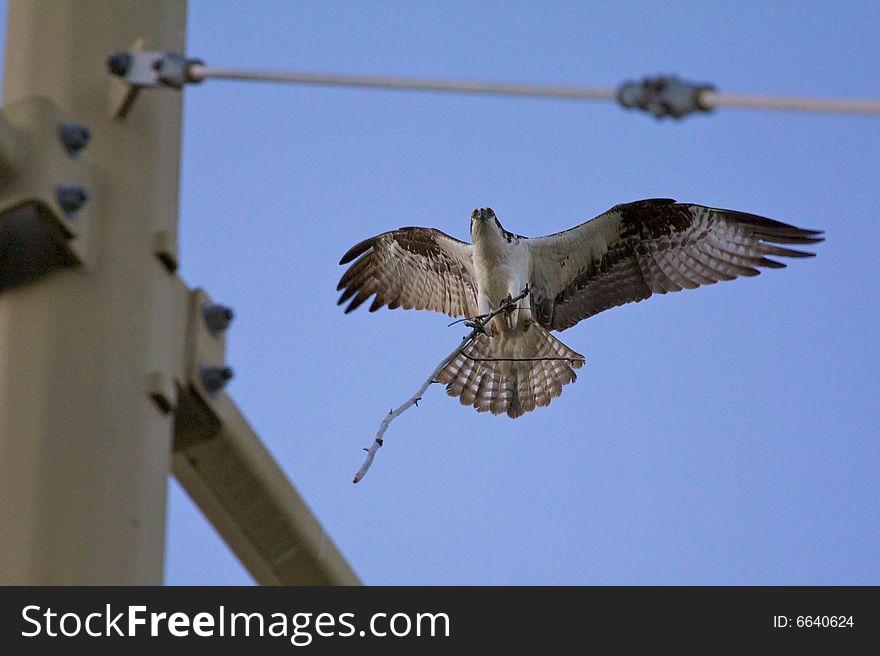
489, 211
475, 214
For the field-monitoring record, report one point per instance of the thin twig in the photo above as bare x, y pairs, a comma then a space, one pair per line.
474, 358
465, 320
479, 324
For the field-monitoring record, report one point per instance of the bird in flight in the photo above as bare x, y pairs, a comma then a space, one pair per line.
626, 254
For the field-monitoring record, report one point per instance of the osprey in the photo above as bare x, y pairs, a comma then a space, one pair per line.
627, 254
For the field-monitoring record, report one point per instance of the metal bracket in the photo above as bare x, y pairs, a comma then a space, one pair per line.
151, 68
205, 371
45, 183
139, 69
664, 95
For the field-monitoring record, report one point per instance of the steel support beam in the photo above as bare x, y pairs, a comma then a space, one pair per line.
227, 471
84, 451
103, 349
244, 494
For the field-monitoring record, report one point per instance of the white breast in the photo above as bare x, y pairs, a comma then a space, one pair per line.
501, 268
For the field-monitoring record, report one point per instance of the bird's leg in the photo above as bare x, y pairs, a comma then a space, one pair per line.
509, 306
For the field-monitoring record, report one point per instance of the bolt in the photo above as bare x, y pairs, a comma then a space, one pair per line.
215, 378
74, 136
217, 317
71, 198
118, 63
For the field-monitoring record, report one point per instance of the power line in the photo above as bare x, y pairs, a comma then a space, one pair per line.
823, 105
664, 95
198, 72
658, 95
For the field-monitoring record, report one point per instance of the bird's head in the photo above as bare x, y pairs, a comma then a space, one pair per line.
484, 218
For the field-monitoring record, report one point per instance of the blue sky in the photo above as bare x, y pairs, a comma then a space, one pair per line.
726, 435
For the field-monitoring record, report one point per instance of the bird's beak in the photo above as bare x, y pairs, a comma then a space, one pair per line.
483, 214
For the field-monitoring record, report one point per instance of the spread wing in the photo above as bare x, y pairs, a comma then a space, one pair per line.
419, 268
651, 246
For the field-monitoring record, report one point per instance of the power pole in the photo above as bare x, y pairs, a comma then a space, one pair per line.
85, 452
111, 368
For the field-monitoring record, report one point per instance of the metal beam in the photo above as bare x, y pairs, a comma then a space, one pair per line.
247, 498
84, 450
222, 463
103, 352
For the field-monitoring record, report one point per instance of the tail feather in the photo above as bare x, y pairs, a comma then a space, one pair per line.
483, 401
541, 387
525, 395
472, 386
512, 372
502, 392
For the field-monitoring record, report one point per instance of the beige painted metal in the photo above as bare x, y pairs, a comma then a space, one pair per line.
84, 450
222, 463
100, 364
33, 161
247, 498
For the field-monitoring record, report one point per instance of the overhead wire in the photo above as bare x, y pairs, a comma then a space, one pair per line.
706, 98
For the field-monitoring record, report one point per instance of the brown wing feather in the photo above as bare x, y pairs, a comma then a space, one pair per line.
652, 246
418, 268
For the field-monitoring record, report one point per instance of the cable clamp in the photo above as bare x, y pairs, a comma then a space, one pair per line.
152, 68
664, 95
